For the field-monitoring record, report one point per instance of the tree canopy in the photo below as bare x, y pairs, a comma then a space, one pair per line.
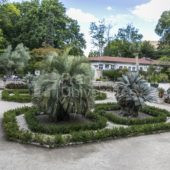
38, 23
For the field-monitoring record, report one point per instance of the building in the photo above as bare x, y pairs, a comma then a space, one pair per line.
107, 63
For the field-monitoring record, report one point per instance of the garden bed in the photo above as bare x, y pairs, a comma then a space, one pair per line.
16, 95
13, 132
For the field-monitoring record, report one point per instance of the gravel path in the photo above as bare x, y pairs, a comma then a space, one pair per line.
150, 152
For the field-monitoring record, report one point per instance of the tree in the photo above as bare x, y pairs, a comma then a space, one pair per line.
64, 87
14, 61
126, 43
98, 35
163, 28
119, 48
42, 23
94, 54
129, 34
132, 92
147, 50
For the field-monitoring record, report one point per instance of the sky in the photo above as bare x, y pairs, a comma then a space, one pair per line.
143, 14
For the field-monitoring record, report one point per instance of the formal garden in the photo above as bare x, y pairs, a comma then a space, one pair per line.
64, 111
49, 71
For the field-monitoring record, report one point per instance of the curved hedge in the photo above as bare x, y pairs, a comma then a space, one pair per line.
100, 95
159, 115
18, 95
16, 86
97, 122
77, 137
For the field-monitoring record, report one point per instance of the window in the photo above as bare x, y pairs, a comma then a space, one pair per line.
96, 66
129, 68
120, 67
141, 68
112, 67
100, 66
106, 66
133, 68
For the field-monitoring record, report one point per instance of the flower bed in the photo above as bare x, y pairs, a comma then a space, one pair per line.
96, 122
158, 115
16, 95
77, 137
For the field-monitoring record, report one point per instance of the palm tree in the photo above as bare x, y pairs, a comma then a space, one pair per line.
132, 92
64, 87
10, 60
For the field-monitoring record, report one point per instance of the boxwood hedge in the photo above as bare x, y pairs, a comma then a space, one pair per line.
16, 95
75, 137
96, 122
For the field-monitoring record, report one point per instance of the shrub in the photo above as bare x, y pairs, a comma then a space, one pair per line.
114, 74
100, 95
158, 115
132, 92
96, 122
161, 92
13, 133
21, 95
64, 87
167, 97
16, 86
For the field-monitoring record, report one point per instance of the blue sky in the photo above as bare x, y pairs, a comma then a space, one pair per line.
143, 14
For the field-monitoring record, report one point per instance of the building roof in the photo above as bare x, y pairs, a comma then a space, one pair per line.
122, 60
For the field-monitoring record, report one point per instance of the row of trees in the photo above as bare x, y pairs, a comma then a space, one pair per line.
37, 24
128, 40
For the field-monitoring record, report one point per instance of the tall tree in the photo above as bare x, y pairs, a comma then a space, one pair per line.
12, 61
125, 44
130, 34
147, 50
98, 32
163, 28
42, 23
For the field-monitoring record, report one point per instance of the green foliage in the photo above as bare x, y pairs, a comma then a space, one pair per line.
100, 95
13, 133
16, 95
41, 23
114, 74
132, 92
129, 34
158, 115
98, 35
95, 122
65, 87
119, 48
147, 50
167, 97
14, 60
16, 86
161, 92
163, 28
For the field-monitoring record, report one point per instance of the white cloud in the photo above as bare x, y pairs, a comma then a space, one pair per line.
151, 10
109, 8
81, 16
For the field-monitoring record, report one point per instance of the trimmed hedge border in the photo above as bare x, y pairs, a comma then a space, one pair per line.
20, 95
159, 115
13, 133
100, 95
16, 86
97, 122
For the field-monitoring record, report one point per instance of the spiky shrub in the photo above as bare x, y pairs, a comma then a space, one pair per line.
167, 96
64, 87
132, 92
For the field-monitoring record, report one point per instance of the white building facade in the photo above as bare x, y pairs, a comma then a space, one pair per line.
113, 63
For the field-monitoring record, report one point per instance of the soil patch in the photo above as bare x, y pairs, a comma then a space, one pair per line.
141, 115
44, 119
